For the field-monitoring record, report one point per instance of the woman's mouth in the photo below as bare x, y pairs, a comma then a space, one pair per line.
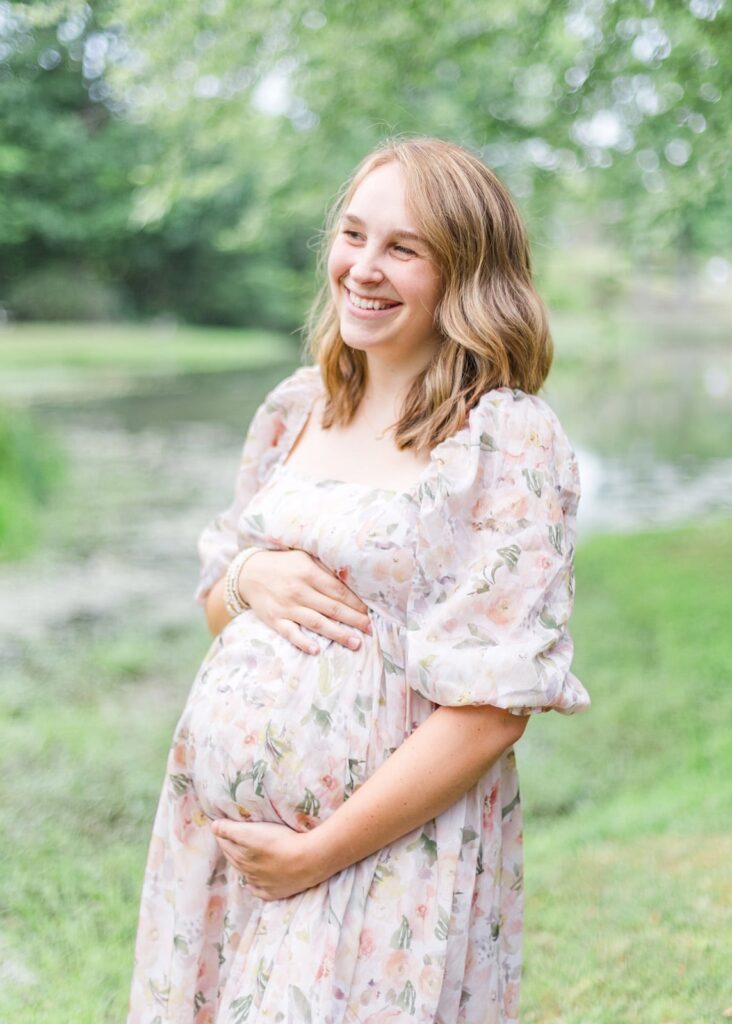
369, 308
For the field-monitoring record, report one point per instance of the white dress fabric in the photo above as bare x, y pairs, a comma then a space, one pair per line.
468, 578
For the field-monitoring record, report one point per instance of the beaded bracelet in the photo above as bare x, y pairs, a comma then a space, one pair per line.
235, 603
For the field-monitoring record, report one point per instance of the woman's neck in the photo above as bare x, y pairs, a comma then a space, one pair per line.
387, 384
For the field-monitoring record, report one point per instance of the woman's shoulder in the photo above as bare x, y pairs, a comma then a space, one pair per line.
295, 390
282, 408
507, 420
508, 433
515, 416
288, 402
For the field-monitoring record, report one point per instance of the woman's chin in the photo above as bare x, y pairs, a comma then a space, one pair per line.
363, 340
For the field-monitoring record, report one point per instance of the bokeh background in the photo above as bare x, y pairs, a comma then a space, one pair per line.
164, 173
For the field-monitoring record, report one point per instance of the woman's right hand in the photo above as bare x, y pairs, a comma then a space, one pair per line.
291, 589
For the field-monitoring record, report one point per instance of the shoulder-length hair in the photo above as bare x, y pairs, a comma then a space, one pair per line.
493, 325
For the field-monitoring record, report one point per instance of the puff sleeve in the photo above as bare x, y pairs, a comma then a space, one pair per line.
493, 586
280, 413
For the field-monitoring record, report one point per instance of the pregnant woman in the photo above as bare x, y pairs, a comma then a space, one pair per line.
338, 840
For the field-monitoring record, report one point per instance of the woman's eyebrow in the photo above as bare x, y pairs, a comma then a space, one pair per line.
402, 232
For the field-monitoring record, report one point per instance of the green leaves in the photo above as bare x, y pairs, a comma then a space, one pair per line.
402, 937
508, 557
480, 638
556, 536
355, 776
276, 746
256, 773
534, 480
301, 1003
322, 717
443, 924
429, 848
559, 105
240, 1009
309, 804
195, 163
408, 998
180, 783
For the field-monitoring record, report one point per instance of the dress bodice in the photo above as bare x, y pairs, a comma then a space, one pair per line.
468, 579
364, 535
471, 570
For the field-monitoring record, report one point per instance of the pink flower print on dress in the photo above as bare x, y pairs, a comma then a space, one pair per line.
468, 581
366, 944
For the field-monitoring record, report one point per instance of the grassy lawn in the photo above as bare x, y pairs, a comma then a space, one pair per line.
629, 892
628, 848
32, 467
58, 358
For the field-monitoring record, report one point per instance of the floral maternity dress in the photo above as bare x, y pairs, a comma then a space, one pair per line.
468, 578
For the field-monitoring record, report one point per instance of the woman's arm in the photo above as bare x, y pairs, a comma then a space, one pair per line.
217, 614
439, 762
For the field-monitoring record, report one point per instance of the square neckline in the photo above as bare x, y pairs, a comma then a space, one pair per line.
320, 480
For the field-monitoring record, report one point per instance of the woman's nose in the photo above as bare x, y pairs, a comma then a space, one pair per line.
365, 268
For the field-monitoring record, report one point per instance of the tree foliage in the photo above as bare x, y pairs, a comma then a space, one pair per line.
619, 109
76, 166
189, 150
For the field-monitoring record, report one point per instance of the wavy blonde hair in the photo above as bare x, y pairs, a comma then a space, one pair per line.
493, 324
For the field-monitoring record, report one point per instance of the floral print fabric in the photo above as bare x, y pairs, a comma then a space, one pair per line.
468, 580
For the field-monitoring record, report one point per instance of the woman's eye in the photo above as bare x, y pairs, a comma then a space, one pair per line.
355, 236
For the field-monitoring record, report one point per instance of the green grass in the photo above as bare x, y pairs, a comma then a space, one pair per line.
31, 469
628, 851
85, 724
629, 891
57, 358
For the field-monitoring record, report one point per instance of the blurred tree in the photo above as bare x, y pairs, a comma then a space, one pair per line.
619, 107
75, 242
230, 126
64, 161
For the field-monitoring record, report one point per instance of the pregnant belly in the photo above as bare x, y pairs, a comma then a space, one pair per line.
273, 734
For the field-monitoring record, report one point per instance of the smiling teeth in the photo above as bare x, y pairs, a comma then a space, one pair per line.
369, 303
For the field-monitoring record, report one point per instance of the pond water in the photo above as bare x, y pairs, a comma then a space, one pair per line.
151, 466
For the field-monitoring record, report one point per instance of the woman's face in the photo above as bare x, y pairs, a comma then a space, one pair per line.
378, 255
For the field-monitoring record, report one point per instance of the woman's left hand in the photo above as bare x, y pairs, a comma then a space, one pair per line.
274, 859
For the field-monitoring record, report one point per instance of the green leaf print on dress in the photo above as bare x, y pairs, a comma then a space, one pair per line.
468, 583
355, 776
429, 847
323, 718
408, 998
534, 480
309, 804
480, 638
402, 937
443, 924
240, 1008
180, 783
276, 746
302, 1004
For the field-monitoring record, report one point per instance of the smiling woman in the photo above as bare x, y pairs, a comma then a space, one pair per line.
375, 277
436, 231
339, 835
